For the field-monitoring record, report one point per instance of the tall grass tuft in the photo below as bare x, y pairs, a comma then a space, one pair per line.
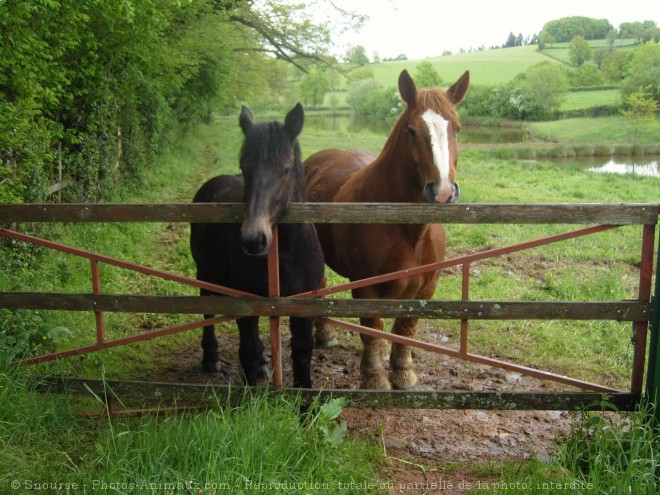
263, 444
613, 453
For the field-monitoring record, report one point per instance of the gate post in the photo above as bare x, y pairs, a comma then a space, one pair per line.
653, 369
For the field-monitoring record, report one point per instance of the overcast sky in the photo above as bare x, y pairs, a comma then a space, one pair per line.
426, 28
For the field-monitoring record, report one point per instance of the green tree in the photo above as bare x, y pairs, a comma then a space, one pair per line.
359, 74
585, 75
566, 28
357, 55
640, 31
313, 87
579, 50
640, 111
615, 65
538, 92
643, 71
426, 76
106, 84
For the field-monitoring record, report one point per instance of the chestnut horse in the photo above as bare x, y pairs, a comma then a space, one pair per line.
233, 255
417, 164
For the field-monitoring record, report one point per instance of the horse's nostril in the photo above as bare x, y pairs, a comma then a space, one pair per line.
430, 192
456, 193
256, 245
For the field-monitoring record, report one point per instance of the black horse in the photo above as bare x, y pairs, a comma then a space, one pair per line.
233, 255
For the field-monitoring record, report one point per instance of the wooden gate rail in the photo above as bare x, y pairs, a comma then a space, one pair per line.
209, 395
537, 213
609, 216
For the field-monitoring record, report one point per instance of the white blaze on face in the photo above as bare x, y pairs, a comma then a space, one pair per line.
439, 142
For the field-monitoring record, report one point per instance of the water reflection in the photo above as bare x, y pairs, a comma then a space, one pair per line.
651, 169
356, 125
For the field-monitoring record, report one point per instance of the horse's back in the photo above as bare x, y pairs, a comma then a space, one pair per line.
215, 245
221, 189
327, 170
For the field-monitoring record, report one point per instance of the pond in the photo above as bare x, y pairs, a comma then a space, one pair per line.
471, 135
643, 166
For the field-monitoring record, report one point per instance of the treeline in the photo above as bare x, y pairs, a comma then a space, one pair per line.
567, 28
535, 94
91, 90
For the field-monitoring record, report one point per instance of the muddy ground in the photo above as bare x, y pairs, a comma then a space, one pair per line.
425, 448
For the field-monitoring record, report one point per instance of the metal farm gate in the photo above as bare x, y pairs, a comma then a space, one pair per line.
641, 312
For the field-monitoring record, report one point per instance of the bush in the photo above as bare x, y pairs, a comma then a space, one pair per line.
368, 99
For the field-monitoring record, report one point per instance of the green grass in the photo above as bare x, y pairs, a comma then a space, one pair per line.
207, 152
50, 444
578, 100
605, 453
260, 444
590, 130
487, 68
561, 51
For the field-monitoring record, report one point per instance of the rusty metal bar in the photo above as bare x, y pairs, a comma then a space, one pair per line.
465, 296
274, 291
124, 340
640, 328
475, 358
122, 264
491, 253
96, 289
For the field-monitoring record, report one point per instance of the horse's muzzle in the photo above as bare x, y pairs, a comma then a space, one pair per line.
255, 242
433, 193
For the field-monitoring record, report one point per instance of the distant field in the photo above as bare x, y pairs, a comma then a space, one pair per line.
561, 52
610, 130
576, 100
486, 68
490, 68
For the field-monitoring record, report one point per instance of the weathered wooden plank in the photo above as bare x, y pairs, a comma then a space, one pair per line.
607, 214
208, 394
313, 307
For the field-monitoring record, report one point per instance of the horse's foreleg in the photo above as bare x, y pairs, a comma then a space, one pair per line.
251, 350
302, 344
325, 335
210, 359
402, 374
372, 372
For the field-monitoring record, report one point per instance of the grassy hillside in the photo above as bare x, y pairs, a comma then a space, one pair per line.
561, 51
575, 100
486, 68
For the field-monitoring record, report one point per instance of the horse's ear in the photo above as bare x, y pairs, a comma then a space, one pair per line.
293, 123
457, 91
246, 120
407, 89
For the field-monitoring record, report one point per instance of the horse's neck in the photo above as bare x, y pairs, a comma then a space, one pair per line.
391, 177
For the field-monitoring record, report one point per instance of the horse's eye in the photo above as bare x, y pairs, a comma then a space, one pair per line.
412, 132
286, 171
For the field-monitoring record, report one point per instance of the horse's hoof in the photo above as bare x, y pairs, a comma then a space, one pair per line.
325, 336
326, 344
375, 381
263, 372
403, 379
211, 366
